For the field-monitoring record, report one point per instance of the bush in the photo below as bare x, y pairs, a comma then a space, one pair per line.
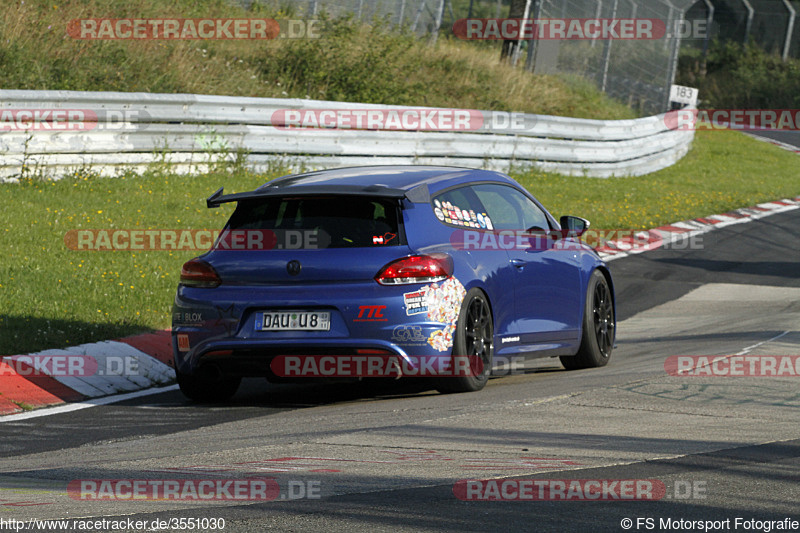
741, 77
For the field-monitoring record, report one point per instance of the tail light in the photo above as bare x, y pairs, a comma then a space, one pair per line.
416, 269
196, 273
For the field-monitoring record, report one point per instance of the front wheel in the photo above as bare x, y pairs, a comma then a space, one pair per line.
473, 339
599, 326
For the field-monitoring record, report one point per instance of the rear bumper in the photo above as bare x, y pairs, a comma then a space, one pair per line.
218, 326
245, 358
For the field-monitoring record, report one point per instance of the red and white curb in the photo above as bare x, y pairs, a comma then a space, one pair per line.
120, 366
149, 356
646, 240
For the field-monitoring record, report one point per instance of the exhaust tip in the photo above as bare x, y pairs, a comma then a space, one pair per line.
211, 372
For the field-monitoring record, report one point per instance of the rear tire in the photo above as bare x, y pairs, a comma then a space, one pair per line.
599, 327
473, 338
206, 390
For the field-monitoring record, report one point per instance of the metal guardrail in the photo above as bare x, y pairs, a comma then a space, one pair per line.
192, 132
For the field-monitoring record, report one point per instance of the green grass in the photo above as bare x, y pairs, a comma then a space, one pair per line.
351, 62
52, 297
22, 405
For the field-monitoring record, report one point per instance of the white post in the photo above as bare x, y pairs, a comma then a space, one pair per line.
418, 15
518, 47
676, 48
597, 14
789, 29
607, 50
537, 13
439, 18
750, 14
709, 21
402, 12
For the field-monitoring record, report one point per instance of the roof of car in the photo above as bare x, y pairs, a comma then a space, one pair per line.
395, 177
410, 181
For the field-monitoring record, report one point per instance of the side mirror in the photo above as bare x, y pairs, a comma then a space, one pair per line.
574, 225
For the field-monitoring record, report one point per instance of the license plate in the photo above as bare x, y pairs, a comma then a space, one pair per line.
294, 321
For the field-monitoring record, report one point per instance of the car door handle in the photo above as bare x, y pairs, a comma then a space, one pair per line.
519, 263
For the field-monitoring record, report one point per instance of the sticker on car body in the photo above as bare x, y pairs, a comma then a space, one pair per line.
416, 302
183, 342
442, 303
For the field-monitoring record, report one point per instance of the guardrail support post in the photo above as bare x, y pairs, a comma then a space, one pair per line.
789, 29
518, 47
709, 21
750, 14
531, 59
418, 15
597, 14
607, 50
439, 18
676, 48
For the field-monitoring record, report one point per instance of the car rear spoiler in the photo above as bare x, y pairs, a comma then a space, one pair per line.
417, 195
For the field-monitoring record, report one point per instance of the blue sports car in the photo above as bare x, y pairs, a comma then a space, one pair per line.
404, 262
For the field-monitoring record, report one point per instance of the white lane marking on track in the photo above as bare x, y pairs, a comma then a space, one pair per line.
743, 352
756, 345
85, 404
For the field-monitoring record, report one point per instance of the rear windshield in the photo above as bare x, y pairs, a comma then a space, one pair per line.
323, 222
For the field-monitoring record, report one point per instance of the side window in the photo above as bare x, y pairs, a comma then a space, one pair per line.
510, 209
460, 207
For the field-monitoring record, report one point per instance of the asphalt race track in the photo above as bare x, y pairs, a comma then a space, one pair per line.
385, 456
792, 138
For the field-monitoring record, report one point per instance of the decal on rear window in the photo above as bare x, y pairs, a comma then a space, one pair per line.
461, 207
